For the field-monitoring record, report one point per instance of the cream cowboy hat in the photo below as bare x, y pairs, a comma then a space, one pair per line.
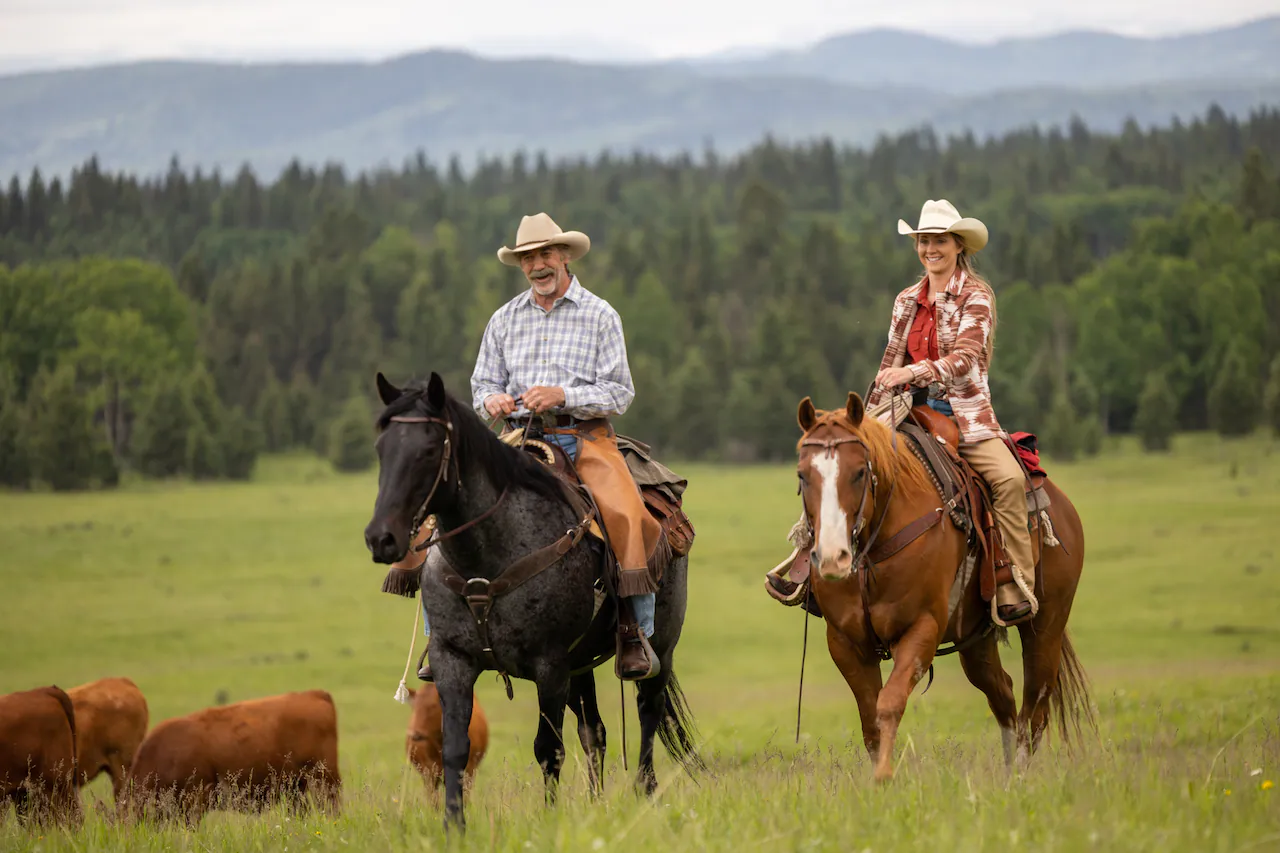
541, 230
940, 217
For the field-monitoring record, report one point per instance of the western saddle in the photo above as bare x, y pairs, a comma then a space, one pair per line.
934, 438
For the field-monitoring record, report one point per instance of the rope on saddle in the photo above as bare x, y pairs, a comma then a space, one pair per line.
402, 692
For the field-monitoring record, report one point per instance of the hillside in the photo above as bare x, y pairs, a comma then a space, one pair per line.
1075, 60
136, 116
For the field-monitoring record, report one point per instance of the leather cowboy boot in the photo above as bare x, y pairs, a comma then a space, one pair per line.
424, 666
635, 660
1011, 604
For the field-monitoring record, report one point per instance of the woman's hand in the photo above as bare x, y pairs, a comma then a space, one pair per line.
892, 377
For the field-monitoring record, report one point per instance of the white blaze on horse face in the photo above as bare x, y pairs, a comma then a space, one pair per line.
833, 533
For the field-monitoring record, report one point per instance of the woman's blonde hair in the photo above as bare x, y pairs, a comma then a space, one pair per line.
965, 262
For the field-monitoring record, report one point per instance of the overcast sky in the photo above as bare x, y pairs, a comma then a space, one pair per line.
38, 31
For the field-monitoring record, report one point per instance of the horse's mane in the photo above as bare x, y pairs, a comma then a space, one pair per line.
477, 445
889, 466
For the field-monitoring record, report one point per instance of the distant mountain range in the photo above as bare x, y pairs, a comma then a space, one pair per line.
136, 116
1089, 60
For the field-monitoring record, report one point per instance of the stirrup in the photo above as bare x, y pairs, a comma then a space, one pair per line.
424, 668
655, 666
1014, 614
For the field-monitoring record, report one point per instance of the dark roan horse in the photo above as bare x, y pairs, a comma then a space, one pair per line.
494, 506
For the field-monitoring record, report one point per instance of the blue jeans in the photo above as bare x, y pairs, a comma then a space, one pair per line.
941, 406
642, 605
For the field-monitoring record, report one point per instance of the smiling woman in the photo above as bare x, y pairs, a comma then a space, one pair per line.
941, 336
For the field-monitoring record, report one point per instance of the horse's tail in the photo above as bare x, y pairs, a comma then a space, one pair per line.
1069, 702
676, 728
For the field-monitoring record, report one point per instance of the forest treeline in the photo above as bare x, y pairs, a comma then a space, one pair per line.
182, 323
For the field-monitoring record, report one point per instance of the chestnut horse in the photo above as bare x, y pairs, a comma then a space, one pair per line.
859, 480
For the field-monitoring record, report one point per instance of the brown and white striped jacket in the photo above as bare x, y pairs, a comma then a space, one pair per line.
963, 313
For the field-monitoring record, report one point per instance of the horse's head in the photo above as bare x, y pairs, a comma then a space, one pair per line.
416, 464
835, 482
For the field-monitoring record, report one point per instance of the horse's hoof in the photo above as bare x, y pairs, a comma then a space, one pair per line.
884, 776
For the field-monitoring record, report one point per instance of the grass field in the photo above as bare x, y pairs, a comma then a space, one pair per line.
206, 593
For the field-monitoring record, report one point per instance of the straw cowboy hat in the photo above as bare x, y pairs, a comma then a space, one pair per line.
940, 217
541, 230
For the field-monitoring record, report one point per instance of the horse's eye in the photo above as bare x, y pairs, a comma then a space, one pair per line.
862, 472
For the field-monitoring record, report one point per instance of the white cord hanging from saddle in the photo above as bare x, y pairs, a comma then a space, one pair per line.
402, 692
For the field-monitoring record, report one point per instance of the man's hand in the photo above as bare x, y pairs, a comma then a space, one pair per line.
542, 398
499, 404
892, 377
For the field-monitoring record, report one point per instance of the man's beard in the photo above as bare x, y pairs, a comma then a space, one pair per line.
545, 286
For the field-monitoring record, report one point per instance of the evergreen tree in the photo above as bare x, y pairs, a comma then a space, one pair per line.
1271, 397
242, 440
695, 402
351, 437
1156, 418
165, 418
274, 418
1060, 436
203, 457
15, 467
1232, 402
65, 449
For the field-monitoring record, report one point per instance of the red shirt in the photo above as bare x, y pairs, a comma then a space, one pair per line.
922, 339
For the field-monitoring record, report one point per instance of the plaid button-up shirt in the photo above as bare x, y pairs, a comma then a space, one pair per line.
578, 346
963, 312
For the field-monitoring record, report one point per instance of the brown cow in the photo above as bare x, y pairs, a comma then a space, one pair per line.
111, 721
241, 756
38, 754
425, 740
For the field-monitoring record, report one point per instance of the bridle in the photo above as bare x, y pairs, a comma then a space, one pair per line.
442, 476
479, 592
870, 482
895, 543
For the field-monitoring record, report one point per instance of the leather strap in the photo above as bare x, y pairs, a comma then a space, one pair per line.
522, 570
904, 537
479, 593
436, 540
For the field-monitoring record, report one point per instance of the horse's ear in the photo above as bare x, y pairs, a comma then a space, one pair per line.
806, 415
854, 408
435, 391
387, 392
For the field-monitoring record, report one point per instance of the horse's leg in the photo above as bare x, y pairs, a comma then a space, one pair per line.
911, 659
548, 743
864, 679
582, 700
455, 679
1041, 666
651, 707
981, 664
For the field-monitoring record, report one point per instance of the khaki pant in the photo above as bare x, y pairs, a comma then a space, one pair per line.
995, 462
633, 532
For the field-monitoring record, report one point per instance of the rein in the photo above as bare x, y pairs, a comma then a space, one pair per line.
442, 475
891, 546
479, 592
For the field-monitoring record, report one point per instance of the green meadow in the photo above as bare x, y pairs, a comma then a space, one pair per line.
216, 593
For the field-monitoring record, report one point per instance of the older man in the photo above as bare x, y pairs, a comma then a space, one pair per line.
558, 349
